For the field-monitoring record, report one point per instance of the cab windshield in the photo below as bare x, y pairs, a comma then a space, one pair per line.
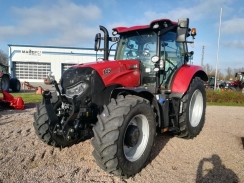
137, 45
142, 46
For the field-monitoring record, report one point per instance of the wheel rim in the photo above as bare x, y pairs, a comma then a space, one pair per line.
196, 108
135, 152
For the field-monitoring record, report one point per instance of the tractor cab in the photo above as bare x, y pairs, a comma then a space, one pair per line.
163, 55
239, 81
160, 48
240, 76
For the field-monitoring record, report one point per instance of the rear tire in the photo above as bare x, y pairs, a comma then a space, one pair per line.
192, 118
4, 83
124, 136
14, 84
41, 125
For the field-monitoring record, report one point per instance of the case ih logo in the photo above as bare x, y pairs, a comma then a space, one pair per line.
107, 71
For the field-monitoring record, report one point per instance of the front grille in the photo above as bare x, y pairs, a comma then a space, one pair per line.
73, 76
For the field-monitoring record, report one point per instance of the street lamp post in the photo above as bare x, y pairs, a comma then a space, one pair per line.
216, 72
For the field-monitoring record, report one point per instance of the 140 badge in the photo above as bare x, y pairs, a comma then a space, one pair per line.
107, 71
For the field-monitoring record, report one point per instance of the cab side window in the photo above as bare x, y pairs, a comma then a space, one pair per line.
174, 51
172, 55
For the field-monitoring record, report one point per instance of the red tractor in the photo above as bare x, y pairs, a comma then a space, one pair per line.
6, 82
239, 81
148, 88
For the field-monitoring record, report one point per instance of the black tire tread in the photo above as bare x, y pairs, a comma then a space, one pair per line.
13, 83
184, 131
106, 132
1, 78
41, 125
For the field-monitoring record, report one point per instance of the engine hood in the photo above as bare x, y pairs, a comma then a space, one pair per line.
122, 72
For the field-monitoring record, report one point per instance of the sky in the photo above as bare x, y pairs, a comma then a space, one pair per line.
74, 23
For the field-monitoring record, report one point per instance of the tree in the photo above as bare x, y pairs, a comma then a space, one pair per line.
230, 73
220, 75
3, 58
208, 69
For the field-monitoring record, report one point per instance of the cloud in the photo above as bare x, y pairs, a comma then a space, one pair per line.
234, 44
63, 20
233, 26
74, 37
200, 9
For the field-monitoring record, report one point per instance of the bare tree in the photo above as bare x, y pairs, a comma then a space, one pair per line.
239, 70
208, 69
221, 76
3, 58
230, 74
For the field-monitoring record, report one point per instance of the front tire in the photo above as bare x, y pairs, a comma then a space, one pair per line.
124, 136
41, 125
192, 118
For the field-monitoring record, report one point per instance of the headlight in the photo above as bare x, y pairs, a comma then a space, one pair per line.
76, 90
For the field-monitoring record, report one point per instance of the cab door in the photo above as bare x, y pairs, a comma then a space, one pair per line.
171, 58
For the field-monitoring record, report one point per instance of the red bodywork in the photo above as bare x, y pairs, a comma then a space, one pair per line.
183, 77
127, 73
8, 99
237, 84
123, 72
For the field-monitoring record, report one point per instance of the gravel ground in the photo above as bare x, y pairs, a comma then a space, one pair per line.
216, 155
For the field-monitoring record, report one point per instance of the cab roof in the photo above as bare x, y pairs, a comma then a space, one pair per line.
161, 22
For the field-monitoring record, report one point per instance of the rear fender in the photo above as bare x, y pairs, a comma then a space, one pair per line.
183, 77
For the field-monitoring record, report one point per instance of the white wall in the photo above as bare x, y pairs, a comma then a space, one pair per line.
54, 55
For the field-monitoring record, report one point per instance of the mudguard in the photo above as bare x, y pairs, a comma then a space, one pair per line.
183, 77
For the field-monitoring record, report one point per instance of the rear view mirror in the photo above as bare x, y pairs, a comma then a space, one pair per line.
190, 54
182, 29
97, 41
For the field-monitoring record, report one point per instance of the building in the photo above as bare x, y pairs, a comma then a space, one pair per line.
33, 63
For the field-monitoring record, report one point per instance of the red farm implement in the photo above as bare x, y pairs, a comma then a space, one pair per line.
9, 101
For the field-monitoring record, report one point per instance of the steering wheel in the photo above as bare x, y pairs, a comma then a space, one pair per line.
129, 54
146, 53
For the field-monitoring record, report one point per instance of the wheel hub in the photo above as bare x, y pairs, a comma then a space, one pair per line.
132, 136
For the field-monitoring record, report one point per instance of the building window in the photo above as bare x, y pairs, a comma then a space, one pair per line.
30, 70
66, 66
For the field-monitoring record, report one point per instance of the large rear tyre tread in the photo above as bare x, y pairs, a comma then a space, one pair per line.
109, 134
